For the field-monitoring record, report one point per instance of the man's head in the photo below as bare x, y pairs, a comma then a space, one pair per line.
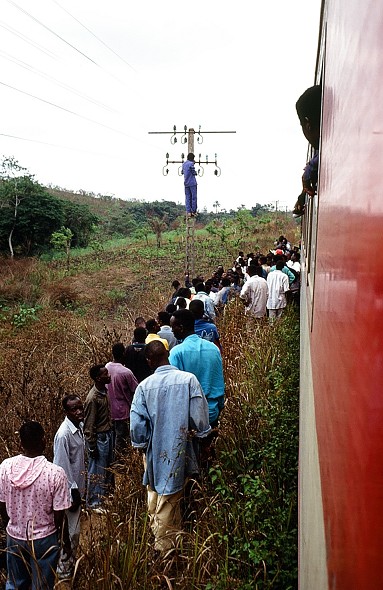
191, 157
309, 112
184, 292
152, 326
140, 322
200, 287
156, 354
73, 408
225, 282
197, 308
139, 335
176, 284
182, 323
118, 351
280, 264
99, 374
163, 318
32, 437
170, 308
295, 257
254, 270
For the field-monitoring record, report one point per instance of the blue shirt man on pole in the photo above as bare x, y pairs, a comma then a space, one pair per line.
190, 183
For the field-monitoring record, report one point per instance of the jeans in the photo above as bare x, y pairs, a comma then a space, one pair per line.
32, 562
191, 199
100, 478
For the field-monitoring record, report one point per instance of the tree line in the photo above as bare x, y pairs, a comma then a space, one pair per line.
35, 219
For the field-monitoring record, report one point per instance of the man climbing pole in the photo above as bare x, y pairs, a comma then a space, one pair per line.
190, 183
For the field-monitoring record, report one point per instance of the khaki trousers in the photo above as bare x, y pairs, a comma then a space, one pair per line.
165, 518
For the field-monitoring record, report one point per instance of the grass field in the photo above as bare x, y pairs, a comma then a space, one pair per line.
54, 324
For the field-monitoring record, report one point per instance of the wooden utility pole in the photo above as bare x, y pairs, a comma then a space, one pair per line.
188, 136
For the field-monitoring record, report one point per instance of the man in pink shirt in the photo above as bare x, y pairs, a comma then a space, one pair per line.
120, 392
34, 495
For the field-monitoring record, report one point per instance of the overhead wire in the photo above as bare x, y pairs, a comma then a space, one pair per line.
65, 147
94, 35
62, 39
29, 67
27, 40
51, 31
67, 110
77, 114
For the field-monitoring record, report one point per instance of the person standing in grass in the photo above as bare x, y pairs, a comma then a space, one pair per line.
34, 495
120, 392
254, 293
200, 357
68, 453
278, 285
168, 410
134, 357
203, 359
98, 437
165, 329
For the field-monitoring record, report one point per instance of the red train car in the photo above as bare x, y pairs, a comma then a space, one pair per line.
341, 419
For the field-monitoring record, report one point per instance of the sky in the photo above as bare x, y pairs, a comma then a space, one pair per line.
83, 83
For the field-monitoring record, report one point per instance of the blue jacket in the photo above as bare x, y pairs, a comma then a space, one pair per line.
189, 173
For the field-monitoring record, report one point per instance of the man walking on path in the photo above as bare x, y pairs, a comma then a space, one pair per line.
69, 451
190, 182
169, 409
34, 495
120, 392
99, 437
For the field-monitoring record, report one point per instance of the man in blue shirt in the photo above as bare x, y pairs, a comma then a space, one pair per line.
202, 328
190, 183
200, 357
168, 411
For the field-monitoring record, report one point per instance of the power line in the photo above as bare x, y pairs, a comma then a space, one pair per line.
94, 35
27, 40
67, 110
62, 39
28, 67
52, 31
65, 147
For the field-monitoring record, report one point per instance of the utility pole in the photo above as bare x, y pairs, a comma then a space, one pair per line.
188, 137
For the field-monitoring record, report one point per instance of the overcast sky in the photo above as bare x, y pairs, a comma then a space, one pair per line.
110, 72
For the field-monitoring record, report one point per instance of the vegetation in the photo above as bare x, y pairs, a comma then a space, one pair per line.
57, 322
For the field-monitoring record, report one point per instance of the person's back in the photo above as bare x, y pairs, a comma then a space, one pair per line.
122, 384
34, 493
200, 357
134, 356
209, 312
204, 329
278, 285
254, 293
165, 329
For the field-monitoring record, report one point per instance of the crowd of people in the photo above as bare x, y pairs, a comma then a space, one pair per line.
163, 394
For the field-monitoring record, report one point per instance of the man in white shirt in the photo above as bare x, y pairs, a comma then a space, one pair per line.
254, 293
69, 453
278, 284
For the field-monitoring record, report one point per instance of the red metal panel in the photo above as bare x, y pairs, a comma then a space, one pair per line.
347, 336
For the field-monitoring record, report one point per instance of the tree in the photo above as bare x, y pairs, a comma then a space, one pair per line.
61, 240
216, 204
81, 221
10, 172
158, 226
38, 215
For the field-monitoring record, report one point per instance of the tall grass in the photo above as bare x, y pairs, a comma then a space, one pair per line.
242, 531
